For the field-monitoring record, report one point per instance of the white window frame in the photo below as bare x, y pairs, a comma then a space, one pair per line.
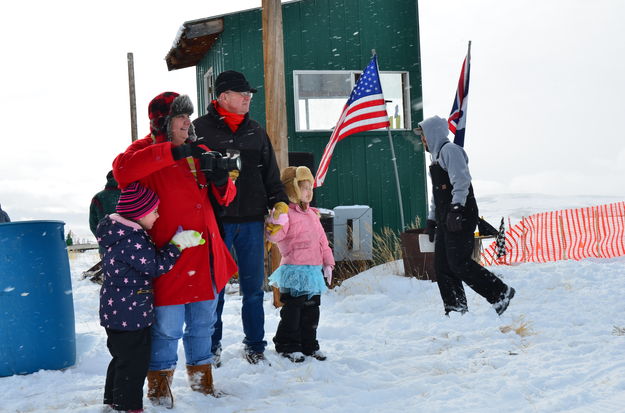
208, 90
405, 77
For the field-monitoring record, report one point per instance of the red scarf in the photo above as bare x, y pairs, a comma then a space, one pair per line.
233, 120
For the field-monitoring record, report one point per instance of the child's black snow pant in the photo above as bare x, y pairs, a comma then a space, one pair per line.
297, 330
128, 369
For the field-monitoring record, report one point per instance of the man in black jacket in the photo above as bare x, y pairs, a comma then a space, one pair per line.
227, 125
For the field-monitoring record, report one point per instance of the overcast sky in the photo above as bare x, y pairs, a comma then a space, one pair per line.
543, 117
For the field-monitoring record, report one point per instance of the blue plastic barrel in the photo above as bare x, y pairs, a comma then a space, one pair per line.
36, 304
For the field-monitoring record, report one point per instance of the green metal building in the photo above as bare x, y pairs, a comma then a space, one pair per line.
327, 44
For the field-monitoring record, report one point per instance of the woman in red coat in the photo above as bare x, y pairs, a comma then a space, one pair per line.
166, 162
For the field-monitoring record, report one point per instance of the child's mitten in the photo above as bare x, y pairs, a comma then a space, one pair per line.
187, 239
279, 208
277, 218
327, 273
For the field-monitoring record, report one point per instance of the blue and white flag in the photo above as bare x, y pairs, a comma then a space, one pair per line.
458, 116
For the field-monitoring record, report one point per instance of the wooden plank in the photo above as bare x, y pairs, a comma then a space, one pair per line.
133, 99
275, 95
82, 247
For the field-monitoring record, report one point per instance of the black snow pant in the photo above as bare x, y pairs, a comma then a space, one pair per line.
297, 330
453, 264
128, 369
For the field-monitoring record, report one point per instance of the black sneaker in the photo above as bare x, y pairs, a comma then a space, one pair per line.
256, 358
318, 355
296, 357
502, 305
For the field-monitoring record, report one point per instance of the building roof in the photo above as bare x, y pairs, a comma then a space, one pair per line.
193, 40
196, 37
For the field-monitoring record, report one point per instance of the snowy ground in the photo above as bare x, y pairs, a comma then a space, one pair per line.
560, 347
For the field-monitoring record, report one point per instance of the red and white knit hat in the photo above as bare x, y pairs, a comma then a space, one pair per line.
136, 201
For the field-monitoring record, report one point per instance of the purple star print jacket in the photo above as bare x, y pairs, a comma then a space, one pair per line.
129, 264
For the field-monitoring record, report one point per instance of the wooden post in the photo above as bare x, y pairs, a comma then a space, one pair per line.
562, 237
275, 97
133, 100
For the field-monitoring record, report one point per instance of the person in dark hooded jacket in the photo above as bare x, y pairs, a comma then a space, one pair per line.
4, 217
131, 261
103, 202
451, 224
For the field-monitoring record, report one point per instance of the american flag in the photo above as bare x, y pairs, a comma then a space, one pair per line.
365, 110
458, 116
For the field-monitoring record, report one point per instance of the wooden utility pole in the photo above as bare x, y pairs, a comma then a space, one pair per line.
275, 95
275, 98
133, 99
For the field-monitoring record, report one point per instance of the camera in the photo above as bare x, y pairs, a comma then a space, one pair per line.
215, 161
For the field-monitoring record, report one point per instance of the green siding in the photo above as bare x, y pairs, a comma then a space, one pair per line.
339, 35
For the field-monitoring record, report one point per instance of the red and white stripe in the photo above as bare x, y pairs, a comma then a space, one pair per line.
361, 115
592, 232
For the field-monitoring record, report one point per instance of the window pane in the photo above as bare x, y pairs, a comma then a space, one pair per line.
319, 85
321, 97
392, 87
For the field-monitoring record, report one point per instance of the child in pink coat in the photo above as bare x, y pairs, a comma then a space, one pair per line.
306, 259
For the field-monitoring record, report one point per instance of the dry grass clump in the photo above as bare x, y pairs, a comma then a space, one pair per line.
386, 246
618, 331
523, 329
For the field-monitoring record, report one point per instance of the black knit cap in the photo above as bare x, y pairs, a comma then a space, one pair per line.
232, 80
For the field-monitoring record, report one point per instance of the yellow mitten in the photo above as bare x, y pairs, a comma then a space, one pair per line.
234, 174
280, 208
272, 228
278, 217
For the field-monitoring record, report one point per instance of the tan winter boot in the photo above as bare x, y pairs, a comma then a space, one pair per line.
159, 387
201, 379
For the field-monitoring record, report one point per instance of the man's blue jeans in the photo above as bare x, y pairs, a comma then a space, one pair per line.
246, 238
199, 321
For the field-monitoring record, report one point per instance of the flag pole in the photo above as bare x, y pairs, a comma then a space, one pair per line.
394, 159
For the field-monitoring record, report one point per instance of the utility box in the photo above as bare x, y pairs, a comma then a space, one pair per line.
327, 222
353, 233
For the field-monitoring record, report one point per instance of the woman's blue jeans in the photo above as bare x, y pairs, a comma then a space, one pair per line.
198, 320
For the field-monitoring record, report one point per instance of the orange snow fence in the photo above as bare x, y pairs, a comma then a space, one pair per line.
570, 234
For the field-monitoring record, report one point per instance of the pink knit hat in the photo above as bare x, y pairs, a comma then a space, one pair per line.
136, 201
